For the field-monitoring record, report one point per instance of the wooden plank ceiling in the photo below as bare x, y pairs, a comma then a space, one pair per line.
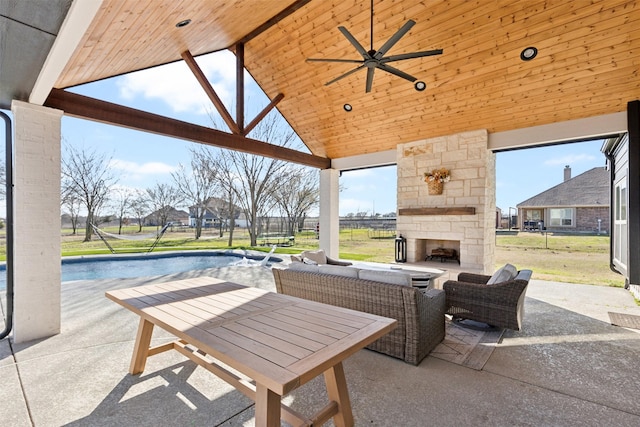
587, 64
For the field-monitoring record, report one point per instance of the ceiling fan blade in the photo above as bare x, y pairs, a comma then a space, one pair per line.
403, 56
355, 43
395, 71
348, 73
394, 38
352, 61
369, 79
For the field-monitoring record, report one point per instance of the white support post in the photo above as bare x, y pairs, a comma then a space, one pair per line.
37, 133
329, 212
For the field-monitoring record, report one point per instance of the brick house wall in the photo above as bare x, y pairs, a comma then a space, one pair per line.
587, 219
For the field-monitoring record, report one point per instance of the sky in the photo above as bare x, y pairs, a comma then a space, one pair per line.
143, 159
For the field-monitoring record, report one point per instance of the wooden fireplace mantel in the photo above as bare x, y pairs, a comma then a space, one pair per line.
438, 211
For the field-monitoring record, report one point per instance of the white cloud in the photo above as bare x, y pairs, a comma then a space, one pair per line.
175, 85
137, 169
570, 159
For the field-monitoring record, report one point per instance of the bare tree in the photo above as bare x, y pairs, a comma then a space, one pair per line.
228, 179
253, 178
139, 207
197, 186
121, 201
72, 204
163, 198
87, 175
298, 197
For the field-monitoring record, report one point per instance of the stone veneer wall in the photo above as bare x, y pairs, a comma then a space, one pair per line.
472, 184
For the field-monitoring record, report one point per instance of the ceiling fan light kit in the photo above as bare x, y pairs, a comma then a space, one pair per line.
373, 59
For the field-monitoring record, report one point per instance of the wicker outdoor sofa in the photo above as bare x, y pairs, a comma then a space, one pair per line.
499, 304
420, 313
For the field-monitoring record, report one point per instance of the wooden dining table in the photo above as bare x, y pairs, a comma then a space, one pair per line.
275, 342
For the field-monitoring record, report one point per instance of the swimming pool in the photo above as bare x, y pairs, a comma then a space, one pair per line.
139, 265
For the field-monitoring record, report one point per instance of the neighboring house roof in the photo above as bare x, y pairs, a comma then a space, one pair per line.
214, 205
590, 188
173, 215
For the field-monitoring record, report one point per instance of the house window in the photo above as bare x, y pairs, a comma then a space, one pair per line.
620, 223
561, 217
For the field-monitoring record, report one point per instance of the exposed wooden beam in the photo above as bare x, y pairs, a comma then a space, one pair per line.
263, 113
273, 21
211, 93
240, 87
105, 112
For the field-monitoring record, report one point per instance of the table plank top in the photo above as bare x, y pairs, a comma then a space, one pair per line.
278, 340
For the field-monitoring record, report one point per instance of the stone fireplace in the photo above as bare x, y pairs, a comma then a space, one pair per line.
463, 216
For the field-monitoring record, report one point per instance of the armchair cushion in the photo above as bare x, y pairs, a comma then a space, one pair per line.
503, 274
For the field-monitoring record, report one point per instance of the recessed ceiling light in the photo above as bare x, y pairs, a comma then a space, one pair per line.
420, 86
528, 53
347, 108
183, 23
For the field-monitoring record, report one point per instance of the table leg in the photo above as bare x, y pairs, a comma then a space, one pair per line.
337, 390
141, 348
267, 407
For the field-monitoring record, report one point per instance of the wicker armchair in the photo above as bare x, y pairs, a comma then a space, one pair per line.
500, 304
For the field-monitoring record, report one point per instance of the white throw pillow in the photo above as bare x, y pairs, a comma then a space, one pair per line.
318, 256
393, 277
503, 274
338, 270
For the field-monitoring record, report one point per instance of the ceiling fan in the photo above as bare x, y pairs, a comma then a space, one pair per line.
373, 59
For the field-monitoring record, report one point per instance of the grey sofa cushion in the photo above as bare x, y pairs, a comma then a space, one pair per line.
393, 277
301, 266
338, 270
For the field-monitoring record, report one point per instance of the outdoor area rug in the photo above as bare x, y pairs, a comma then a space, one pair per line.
624, 320
467, 347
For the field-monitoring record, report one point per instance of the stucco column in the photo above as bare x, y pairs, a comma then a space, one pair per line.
329, 212
36, 221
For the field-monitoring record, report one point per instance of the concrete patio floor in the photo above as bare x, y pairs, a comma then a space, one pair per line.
568, 366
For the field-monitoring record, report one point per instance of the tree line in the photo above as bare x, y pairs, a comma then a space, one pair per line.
252, 185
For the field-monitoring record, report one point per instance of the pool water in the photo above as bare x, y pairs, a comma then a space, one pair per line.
127, 266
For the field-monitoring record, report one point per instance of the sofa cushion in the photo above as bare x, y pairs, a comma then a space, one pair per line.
338, 270
504, 274
319, 256
393, 277
301, 266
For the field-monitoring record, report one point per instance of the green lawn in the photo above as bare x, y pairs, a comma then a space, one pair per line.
573, 259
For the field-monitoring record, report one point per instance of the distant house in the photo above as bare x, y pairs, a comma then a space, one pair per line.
174, 216
216, 210
579, 204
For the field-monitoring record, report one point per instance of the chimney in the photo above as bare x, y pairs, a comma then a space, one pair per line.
567, 173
